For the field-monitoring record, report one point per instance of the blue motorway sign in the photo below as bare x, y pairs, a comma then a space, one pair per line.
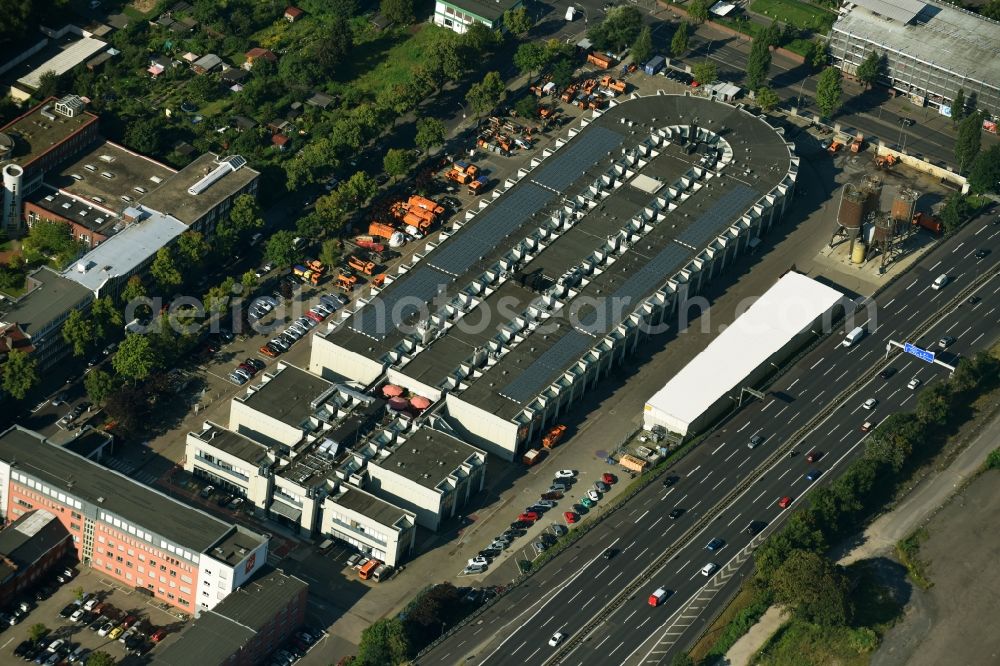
922, 354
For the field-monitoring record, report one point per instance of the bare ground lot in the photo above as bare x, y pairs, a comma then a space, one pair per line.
952, 623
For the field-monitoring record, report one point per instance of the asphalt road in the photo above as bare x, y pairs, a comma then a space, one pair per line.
579, 583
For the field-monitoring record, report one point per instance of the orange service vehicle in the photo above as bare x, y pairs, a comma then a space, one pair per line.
365, 572
553, 436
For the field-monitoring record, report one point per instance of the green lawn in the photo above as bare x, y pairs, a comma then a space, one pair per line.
391, 55
799, 643
802, 15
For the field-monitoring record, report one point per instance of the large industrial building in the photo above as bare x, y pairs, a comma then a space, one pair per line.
931, 49
136, 535
778, 324
523, 306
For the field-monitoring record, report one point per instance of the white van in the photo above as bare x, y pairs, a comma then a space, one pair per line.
941, 281
570, 13
851, 338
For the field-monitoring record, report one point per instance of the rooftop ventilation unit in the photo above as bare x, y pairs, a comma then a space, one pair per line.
226, 166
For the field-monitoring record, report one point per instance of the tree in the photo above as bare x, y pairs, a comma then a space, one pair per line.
682, 659
698, 11
143, 135
991, 10
816, 54
484, 96
771, 35
280, 250
562, 72
829, 91
48, 84
20, 373
620, 27
133, 289
758, 64
530, 58
893, 441
814, 587
165, 271
705, 72
968, 142
958, 107
77, 592
105, 317
192, 249
518, 21
36, 631
934, 405
330, 253
767, 99
984, 174
216, 300
100, 658
78, 332
397, 162
135, 358
359, 188
642, 48
245, 213
526, 107
430, 133
679, 42
870, 69
383, 642
398, 11
99, 385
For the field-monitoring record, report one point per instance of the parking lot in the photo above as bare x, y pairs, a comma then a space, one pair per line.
104, 613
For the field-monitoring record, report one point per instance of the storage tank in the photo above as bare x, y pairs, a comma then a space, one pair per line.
858, 254
872, 186
904, 204
11, 215
885, 228
853, 202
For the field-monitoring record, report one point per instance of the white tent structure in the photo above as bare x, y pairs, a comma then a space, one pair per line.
775, 326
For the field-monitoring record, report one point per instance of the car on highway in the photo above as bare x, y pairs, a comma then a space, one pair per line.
565, 474
869, 403
785, 502
715, 544
587, 503
940, 281
594, 495
887, 373
570, 517
676, 513
609, 553
907, 122
914, 383
709, 569
945, 342
982, 253
813, 456
670, 480
813, 474
755, 527
755, 441
867, 426
557, 639
973, 300
528, 517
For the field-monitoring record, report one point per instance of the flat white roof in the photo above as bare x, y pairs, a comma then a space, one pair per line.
64, 61
781, 313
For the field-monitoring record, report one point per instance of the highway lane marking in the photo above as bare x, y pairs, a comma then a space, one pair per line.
721, 481
841, 376
578, 592
828, 370
915, 313
643, 551
693, 471
904, 401
744, 426
902, 308
913, 283
870, 352
981, 230
720, 448
948, 330
938, 263
965, 332
616, 577
588, 602
832, 430
629, 617
757, 499
683, 566
704, 478
637, 520
658, 520
670, 491
764, 408
533, 653
977, 339
730, 523
846, 435
640, 624
520, 646
893, 393
695, 504
731, 455
921, 292
889, 303
745, 461
969, 253
548, 620
784, 473
618, 646
598, 646
793, 384
682, 499
779, 413
817, 363
954, 250
818, 395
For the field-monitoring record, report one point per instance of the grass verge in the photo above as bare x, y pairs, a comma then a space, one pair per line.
802, 15
799, 643
742, 613
908, 552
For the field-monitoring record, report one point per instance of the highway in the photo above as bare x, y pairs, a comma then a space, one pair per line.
578, 584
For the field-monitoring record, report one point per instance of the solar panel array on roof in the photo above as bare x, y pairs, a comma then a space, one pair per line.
654, 273
553, 361
490, 227
729, 207
563, 168
405, 298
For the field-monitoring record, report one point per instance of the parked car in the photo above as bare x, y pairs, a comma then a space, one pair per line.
565, 474
608, 478
269, 350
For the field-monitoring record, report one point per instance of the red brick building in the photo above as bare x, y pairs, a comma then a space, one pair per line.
29, 548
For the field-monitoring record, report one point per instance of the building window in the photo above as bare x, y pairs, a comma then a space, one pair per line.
74, 526
118, 571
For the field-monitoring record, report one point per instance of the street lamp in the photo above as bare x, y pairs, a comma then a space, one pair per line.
462, 106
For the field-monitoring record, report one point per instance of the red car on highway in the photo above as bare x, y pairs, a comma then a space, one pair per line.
784, 502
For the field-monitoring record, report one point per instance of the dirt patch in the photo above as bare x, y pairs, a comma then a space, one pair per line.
948, 624
144, 6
